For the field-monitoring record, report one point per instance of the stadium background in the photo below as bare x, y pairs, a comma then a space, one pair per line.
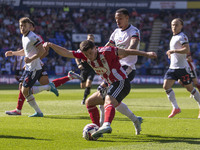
67, 23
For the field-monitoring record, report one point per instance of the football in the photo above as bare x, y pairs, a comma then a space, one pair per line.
88, 130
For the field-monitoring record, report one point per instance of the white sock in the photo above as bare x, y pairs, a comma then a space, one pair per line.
38, 89
101, 108
31, 100
18, 110
171, 97
122, 108
196, 95
106, 124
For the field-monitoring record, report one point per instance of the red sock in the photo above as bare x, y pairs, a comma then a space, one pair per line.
94, 114
109, 113
21, 100
60, 81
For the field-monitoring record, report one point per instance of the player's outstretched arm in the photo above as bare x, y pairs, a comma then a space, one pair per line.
15, 53
127, 52
59, 49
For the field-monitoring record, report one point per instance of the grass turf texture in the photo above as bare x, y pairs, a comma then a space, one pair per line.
65, 117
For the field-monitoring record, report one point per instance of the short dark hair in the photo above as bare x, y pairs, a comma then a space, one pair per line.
180, 20
123, 11
86, 45
25, 20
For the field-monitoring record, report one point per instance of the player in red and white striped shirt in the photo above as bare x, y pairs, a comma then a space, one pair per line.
105, 62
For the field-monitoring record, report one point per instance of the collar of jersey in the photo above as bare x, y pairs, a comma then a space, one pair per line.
126, 28
177, 33
27, 33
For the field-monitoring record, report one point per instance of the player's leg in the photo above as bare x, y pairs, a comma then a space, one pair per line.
71, 75
20, 103
169, 79
168, 83
123, 109
195, 94
116, 93
91, 102
27, 84
102, 88
83, 83
88, 86
45, 85
21, 98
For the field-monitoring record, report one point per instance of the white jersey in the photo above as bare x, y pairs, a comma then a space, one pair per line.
122, 38
30, 42
177, 60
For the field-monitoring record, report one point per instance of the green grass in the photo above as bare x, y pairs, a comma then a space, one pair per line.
65, 117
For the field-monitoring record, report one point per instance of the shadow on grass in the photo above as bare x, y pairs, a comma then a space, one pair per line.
68, 117
156, 139
82, 117
20, 137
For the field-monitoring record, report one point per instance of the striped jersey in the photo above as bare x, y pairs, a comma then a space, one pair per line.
106, 64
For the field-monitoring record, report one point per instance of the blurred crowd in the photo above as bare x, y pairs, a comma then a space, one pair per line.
58, 24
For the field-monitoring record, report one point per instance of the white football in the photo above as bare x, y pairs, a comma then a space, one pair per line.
88, 130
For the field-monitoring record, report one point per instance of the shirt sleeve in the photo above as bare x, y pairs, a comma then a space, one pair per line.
184, 40
135, 34
36, 40
79, 55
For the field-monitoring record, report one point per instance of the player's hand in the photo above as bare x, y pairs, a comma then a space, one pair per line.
46, 47
169, 52
27, 60
8, 53
151, 55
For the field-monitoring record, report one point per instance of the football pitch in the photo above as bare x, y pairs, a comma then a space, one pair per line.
64, 119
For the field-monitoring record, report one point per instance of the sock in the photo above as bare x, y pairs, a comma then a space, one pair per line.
20, 102
196, 95
171, 97
38, 89
94, 114
101, 108
60, 81
87, 92
31, 100
122, 108
109, 113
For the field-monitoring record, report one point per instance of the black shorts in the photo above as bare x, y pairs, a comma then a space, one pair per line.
119, 90
131, 75
30, 77
176, 74
86, 74
44, 73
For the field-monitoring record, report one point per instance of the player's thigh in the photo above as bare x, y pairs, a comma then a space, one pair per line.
110, 100
189, 87
194, 80
44, 80
83, 85
88, 83
95, 99
25, 91
168, 83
